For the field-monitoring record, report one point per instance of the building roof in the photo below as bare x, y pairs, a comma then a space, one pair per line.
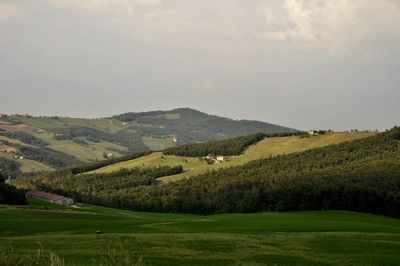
44, 195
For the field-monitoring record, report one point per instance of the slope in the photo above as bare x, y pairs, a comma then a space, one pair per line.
94, 139
359, 175
267, 147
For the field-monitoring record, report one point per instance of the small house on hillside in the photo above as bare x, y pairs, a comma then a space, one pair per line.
211, 159
49, 197
220, 159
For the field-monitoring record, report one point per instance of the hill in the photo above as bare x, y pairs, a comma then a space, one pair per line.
270, 146
44, 234
45, 143
360, 175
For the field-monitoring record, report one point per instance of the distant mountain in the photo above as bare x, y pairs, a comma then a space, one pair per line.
31, 143
189, 125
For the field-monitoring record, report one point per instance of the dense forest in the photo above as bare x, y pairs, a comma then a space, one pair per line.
234, 146
362, 175
9, 194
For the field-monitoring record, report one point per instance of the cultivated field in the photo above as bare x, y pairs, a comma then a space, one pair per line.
267, 147
297, 238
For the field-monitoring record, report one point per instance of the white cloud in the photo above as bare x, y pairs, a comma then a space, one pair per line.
338, 26
12, 11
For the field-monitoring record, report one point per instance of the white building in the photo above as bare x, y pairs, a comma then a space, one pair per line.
220, 158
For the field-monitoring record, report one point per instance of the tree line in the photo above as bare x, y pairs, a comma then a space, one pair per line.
9, 194
91, 166
100, 188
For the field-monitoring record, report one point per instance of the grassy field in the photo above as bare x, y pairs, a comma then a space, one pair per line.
297, 238
267, 147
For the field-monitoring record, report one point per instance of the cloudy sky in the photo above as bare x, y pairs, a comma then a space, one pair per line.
300, 63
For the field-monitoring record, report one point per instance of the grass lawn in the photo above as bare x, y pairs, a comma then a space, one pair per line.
292, 238
267, 147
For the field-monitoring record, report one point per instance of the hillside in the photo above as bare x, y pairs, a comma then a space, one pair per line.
270, 146
46, 234
45, 143
359, 175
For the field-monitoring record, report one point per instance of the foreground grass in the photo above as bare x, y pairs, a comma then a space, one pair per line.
298, 238
268, 147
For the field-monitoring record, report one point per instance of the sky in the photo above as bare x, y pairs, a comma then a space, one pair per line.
299, 63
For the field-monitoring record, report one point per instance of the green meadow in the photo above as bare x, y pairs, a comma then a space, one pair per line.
129, 238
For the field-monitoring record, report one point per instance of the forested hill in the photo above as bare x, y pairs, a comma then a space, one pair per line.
30, 144
190, 125
360, 175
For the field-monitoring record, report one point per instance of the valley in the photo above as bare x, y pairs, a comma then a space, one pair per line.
286, 198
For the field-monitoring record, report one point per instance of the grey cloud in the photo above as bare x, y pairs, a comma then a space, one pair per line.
305, 64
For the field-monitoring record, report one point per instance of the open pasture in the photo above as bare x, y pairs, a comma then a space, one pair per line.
292, 238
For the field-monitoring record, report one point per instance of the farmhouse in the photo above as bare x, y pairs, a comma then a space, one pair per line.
313, 132
49, 197
220, 158
215, 160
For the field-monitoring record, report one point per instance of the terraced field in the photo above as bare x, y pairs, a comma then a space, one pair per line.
294, 238
267, 147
